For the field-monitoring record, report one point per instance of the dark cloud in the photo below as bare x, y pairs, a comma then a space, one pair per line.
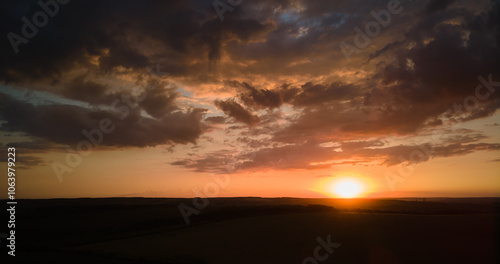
25, 161
64, 124
28, 161
462, 139
359, 144
424, 152
236, 29
216, 120
311, 156
315, 94
254, 143
107, 37
261, 98
438, 5
159, 100
216, 162
33, 146
88, 91
265, 154
443, 67
494, 124
308, 94
236, 111
26, 152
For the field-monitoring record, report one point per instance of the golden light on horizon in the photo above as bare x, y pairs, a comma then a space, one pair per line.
347, 187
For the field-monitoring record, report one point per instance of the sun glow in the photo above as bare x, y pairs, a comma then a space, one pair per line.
347, 188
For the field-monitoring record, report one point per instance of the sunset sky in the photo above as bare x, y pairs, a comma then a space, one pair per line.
267, 98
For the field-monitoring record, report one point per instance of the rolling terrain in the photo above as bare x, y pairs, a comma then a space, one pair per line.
259, 230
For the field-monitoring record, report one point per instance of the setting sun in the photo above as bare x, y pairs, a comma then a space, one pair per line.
347, 188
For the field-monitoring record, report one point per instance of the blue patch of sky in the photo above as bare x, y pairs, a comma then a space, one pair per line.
335, 19
183, 92
39, 97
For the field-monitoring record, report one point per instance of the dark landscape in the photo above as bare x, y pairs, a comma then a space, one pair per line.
258, 230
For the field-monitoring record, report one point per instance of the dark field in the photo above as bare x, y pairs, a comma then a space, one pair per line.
257, 230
